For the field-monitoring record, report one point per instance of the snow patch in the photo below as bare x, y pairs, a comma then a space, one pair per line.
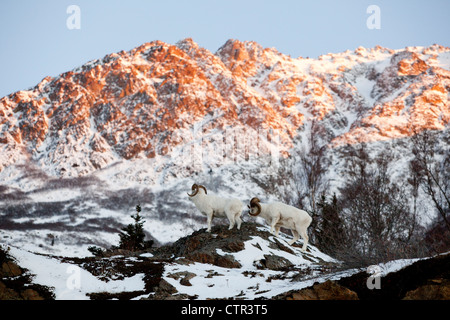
69, 281
57, 195
365, 87
444, 60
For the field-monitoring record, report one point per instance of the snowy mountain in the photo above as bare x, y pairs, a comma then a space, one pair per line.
79, 151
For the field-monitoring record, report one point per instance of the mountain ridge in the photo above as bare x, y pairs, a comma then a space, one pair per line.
139, 103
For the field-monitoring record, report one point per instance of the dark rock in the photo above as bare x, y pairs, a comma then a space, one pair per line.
185, 277
274, 262
10, 269
225, 261
328, 290
7, 293
281, 246
185, 282
436, 290
30, 294
164, 290
235, 246
166, 287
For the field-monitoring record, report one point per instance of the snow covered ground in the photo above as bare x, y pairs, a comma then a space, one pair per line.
249, 281
71, 282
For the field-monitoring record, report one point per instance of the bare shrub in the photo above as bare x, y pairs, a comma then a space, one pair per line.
372, 221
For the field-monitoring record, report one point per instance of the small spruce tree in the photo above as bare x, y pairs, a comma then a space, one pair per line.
132, 236
330, 232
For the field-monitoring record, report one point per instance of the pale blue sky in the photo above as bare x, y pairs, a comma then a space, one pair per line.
35, 41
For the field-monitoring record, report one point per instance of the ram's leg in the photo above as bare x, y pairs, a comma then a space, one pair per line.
238, 221
277, 230
231, 218
209, 218
295, 237
305, 238
273, 224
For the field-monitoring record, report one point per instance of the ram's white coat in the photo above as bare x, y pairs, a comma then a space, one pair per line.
214, 206
279, 215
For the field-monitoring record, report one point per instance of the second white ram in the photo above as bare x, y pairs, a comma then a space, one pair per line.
278, 215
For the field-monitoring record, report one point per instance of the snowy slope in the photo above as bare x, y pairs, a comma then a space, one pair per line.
69, 281
255, 278
251, 281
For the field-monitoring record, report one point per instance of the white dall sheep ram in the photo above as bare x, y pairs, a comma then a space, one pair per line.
213, 206
278, 215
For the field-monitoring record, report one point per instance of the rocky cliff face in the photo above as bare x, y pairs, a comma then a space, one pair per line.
146, 102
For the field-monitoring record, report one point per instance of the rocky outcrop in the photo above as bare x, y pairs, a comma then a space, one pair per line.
10, 269
424, 279
16, 283
218, 249
328, 290
202, 247
437, 289
427, 279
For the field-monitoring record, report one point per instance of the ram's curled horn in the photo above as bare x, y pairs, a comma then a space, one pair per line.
255, 203
203, 189
195, 189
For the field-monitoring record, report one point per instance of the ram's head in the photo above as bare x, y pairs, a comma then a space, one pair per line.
195, 189
255, 207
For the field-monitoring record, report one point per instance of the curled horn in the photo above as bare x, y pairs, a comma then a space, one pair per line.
203, 189
195, 189
254, 203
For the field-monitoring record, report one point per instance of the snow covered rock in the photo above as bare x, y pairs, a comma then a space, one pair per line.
249, 263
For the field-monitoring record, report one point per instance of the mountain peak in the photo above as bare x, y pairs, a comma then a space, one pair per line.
188, 42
